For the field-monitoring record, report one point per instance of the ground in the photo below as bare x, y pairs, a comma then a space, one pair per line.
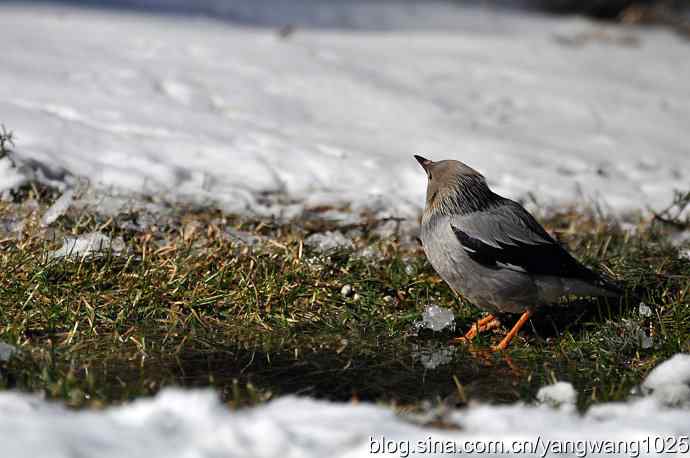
257, 309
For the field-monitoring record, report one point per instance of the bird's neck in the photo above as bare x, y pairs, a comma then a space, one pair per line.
466, 194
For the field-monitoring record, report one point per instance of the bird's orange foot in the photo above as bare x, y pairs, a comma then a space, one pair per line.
485, 324
503, 344
460, 340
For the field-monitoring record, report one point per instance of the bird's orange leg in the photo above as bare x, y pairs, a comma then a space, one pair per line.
476, 328
513, 332
485, 324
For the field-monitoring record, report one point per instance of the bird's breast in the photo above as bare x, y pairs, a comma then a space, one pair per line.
493, 289
445, 253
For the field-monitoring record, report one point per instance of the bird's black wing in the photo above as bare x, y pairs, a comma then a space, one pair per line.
508, 235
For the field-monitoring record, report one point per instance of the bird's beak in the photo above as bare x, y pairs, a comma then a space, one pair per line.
425, 163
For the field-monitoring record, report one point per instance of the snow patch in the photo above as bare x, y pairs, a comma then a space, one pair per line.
328, 241
86, 245
10, 176
58, 208
236, 114
178, 423
669, 382
560, 394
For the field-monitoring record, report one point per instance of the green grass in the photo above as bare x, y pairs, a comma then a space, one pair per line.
186, 304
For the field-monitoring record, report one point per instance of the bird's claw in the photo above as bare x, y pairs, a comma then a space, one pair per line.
460, 340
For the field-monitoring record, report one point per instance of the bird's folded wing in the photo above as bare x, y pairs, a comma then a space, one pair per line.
508, 235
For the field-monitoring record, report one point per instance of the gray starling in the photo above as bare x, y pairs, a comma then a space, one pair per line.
491, 251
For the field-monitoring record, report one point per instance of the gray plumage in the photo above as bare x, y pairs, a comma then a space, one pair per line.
491, 250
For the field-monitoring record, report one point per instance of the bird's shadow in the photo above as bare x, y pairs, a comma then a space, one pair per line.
571, 315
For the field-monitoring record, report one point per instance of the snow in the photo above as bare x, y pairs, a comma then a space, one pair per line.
558, 394
193, 423
59, 207
669, 382
328, 241
85, 245
232, 114
10, 177
644, 310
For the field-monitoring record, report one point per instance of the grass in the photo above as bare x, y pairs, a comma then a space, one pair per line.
186, 302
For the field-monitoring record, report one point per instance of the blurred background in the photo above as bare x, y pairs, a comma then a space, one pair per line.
323, 102
338, 13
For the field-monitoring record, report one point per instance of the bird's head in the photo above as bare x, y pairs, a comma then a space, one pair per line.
453, 187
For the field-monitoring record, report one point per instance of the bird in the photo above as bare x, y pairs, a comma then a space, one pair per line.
493, 252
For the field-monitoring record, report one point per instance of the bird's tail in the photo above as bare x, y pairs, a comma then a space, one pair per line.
611, 289
597, 286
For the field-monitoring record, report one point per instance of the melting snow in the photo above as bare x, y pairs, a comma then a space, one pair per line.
557, 395
669, 382
91, 244
179, 423
58, 208
10, 177
328, 241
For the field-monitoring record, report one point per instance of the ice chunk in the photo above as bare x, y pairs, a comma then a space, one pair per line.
328, 241
58, 208
644, 310
436, 318
560, 394
669, 382
91, 244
